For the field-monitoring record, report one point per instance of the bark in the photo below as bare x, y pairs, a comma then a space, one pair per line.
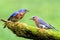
31, 32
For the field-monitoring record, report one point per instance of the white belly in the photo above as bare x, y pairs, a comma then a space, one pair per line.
42, 26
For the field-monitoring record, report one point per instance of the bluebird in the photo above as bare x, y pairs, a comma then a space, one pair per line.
16, 16
41, 24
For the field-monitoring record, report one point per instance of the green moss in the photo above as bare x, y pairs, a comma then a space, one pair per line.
31, 32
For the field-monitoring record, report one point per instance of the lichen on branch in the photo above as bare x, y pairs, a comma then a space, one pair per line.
31, 32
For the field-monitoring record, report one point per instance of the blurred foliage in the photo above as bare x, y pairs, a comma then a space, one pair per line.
48, 10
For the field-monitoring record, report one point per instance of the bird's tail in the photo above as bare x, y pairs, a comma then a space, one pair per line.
53, 27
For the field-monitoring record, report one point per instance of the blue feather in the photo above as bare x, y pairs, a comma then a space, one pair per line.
14, 14
22, 10
44, 23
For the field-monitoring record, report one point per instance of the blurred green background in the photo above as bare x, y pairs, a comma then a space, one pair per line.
48, 10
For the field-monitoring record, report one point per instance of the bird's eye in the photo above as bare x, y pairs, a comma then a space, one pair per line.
25, 10
33, 17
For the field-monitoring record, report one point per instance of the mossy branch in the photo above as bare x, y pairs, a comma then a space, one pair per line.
31, 32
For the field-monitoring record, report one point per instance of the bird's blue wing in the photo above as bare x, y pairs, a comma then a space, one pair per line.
14, 14
43, 23
46, 24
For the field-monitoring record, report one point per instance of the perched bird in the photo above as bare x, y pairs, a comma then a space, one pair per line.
41, 24
16, 16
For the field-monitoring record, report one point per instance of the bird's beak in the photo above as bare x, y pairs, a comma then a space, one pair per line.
27, 10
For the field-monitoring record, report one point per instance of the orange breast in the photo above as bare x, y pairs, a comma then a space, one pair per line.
36, 22
18, 16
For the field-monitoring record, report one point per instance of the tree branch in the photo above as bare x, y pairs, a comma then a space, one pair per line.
31, 32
